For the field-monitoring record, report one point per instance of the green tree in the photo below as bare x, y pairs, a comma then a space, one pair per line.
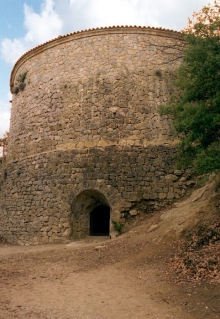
196, 106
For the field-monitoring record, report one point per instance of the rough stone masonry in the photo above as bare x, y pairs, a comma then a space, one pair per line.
87, 146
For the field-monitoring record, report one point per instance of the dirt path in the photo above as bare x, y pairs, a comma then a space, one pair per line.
121, 278
47, 289
89, 281
109, 292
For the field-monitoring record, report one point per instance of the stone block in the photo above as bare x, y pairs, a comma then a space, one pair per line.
66, 233
133, 212
171, 177
162, 195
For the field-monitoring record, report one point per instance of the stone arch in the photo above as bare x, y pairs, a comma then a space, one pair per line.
90, 215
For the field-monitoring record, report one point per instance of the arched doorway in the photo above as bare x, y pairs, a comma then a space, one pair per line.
90, 215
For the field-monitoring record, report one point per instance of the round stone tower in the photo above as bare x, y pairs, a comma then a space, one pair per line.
87, 147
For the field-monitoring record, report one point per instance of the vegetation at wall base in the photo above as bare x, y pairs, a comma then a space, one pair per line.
117, 226
196, 107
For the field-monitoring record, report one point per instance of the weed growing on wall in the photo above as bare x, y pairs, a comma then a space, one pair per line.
20, 86
117, 226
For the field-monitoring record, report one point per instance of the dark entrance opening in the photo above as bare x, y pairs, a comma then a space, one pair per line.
99, 221
90, 215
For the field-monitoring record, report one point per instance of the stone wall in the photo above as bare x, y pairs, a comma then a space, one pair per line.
39, 190
85, 121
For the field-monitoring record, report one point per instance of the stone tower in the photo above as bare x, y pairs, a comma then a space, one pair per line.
87, 145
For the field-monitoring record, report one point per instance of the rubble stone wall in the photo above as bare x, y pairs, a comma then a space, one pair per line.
85, 119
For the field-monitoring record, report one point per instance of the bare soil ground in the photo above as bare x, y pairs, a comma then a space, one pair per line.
126, 277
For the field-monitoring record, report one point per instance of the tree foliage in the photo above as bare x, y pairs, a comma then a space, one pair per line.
205, 22
196, 107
